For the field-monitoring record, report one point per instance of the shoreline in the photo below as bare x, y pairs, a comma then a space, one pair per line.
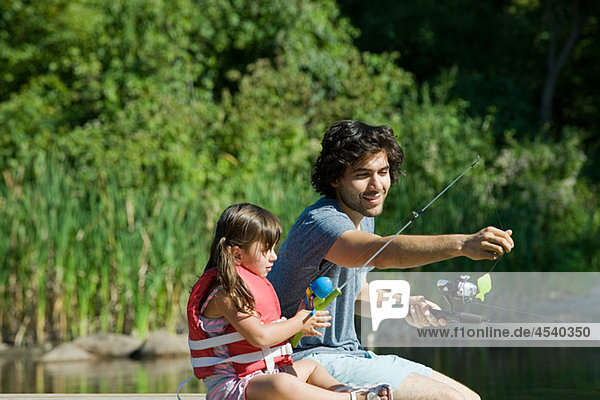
108, 396
103, 346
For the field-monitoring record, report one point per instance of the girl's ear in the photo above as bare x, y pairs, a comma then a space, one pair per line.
237, 254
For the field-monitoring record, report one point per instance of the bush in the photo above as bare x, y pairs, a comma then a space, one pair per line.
128, 126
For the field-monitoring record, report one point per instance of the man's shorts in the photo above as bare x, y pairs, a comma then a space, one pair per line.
368, 369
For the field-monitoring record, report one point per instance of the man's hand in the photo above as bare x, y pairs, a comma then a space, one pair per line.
419, 314
488, 244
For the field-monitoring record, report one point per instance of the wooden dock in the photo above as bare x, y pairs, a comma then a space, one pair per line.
109, 396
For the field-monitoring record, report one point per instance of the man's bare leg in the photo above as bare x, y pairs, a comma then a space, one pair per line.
436, 386
467, 393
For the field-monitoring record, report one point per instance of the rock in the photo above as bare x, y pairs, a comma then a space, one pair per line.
4, 346
67, 352
163, 344
109, 345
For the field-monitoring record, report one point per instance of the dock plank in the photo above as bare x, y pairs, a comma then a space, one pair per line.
106, 396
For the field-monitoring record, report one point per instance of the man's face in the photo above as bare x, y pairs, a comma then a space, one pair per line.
362, 188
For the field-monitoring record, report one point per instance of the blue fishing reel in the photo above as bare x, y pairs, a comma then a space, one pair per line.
318, 295
320, 288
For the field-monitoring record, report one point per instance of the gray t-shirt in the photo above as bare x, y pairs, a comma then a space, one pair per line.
301, 260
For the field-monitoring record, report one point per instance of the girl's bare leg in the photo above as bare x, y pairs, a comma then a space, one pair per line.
287, 387
314, 373
306, 379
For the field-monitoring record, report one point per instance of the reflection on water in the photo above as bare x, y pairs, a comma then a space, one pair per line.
21, 374
518, 373
495, 373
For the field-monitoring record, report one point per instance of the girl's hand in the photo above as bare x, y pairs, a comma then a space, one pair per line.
320, 319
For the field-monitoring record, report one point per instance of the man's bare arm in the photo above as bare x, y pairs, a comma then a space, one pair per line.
362, 303
353, 248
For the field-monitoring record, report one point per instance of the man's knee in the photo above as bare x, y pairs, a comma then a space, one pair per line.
430, 393
419, 387
473, 396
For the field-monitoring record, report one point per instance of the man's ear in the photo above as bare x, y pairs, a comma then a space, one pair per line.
237, 254
335, 184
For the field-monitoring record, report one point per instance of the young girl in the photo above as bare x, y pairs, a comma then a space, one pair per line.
238, 344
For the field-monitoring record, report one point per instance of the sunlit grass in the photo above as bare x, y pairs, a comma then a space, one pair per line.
79, 258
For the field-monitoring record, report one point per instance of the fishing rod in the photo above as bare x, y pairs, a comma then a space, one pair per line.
414, 217
461, 290
320, 292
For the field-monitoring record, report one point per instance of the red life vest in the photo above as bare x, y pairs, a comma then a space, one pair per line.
244, 357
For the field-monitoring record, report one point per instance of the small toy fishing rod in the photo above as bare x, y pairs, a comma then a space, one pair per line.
319, 293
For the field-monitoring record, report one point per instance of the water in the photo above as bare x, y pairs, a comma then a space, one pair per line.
518, 373
495, 373
21, 373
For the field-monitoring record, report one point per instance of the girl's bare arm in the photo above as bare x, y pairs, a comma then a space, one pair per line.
261, 335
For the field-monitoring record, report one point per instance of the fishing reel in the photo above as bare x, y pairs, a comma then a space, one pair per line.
459, 289
463, 291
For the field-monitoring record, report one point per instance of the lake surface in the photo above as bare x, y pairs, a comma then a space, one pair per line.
20, 373
519, 373
495, 373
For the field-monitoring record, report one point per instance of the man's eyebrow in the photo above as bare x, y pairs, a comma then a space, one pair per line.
365, 169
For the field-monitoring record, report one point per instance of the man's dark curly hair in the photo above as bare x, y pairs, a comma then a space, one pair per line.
347, 142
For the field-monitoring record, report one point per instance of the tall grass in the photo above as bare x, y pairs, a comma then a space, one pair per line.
81, 259
78, 258
96, 257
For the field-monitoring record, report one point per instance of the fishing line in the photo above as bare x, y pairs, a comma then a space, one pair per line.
501, 227
414, 217
543, 317
498, 215
494, 266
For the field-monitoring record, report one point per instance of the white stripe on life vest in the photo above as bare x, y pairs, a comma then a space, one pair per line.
219, 340
242, 358
215, 341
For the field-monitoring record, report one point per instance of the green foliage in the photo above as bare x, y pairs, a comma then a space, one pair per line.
539, 182
503, 51
126, 127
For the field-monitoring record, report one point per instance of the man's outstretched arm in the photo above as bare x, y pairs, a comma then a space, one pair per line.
353, 248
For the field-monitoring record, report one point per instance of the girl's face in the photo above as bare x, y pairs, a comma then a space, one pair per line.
257, 259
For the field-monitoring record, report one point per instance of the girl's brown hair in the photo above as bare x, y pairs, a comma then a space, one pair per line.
240, 225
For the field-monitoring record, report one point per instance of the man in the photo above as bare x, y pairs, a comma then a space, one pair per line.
356, 167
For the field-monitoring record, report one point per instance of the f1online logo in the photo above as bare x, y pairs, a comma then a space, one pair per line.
388, 300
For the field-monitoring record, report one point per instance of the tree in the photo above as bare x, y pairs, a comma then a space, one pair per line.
564, 20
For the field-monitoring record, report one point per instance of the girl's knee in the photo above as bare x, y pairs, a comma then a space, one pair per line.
270, 386
304, 369
265, 387
282, 383
308, 364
